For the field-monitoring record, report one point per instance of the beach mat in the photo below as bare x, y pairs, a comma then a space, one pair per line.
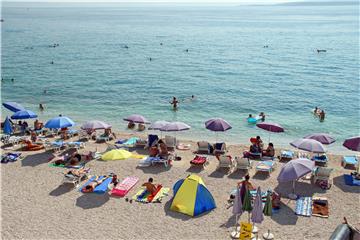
63, 166
142, 195
351, 181
100, 189
124, 187
304, 206
320, 207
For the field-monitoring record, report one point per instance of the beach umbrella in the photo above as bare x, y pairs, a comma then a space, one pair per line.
24, 114
175, 127
13, 106
324, 138
217, 125
309, 145
247, 202
136, 118
7, 126
116, 154
94, 125
294, 170
157, 125
352, 143
270, 127
59, 122
268, 205
257, 212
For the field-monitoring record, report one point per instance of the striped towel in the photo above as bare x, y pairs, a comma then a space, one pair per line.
304, 206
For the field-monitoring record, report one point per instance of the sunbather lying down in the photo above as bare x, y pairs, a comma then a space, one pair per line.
77, 172
92, 185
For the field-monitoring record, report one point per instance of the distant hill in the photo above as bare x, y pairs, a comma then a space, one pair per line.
320, 3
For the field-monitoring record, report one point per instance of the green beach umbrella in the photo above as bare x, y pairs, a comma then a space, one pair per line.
268, 205
247, 202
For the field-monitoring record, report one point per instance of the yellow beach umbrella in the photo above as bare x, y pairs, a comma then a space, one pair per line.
116, 154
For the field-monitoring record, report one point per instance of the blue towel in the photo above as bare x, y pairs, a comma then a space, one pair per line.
288, 154
349, 180
100, 189
304, 206
121, 141
350, 160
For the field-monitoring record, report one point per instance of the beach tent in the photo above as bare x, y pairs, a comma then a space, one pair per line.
191, 197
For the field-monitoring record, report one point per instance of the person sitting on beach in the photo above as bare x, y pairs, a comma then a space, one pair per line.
141, 127
262, 116
163, 149
150, 187
270, 151
33, 136
131, 125
153, 151
260, 143
254, 148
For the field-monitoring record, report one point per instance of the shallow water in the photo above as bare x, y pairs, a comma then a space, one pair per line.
226, 67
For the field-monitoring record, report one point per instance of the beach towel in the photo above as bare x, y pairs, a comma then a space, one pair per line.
10, 157
304, 206
124, 187
148, 161
351, 181
101, 188
145, 197
266, 166
66, 166
351, 160
320, 207
199, 160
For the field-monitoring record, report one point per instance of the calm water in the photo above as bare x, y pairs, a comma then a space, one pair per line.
95, 77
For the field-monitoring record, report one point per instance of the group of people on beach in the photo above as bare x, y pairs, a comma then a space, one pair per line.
257, 148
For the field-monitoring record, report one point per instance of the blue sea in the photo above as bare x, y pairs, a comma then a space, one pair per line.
227, 67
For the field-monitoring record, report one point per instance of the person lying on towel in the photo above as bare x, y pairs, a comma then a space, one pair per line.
92, 185
77, 172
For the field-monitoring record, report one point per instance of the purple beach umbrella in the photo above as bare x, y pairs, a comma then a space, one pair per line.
217, 125
175, 127
309, 145
270, 127
158, 125
136, 118
352, 143
95, 124
324, 138
294, 170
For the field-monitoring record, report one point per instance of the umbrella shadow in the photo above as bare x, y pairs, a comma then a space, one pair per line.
37, 159
286, 216
219, 173
179, 215
237, 174
155, 169
92, 200
261, 175
340, 183
304, 189
195, 169
230, 223
61, 189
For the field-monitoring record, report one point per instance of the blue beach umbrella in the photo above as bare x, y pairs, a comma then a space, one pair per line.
13, 106
7, 126
59, 122
24, 114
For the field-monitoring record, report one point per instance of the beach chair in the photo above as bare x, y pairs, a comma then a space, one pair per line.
200, 161
55, 146
321, 173
152, 140
76, 145
226, 162
164, 160
219, 148
73, 179
170, 142
265, 166
141, 143
303, 155
83, 135
5, 138
102, 138
72, 132
321, 160
286, 155
350, 161
243, 164
203, 147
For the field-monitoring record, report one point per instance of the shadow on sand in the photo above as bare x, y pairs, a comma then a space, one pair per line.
219, 173
302, 189
340, 183
61, 189
195, 169
92, 200
179, 215
238, 174
155, 169
286, 216
37, 159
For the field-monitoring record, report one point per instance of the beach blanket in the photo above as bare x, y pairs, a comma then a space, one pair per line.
304, 206
351, 181
124, 187
145, 197
101, 188
320, 207
67, 166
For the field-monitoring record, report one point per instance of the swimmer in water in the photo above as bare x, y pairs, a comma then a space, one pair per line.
174, 103
52, 62
187, 50
150, 59
45, 91
41, 107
